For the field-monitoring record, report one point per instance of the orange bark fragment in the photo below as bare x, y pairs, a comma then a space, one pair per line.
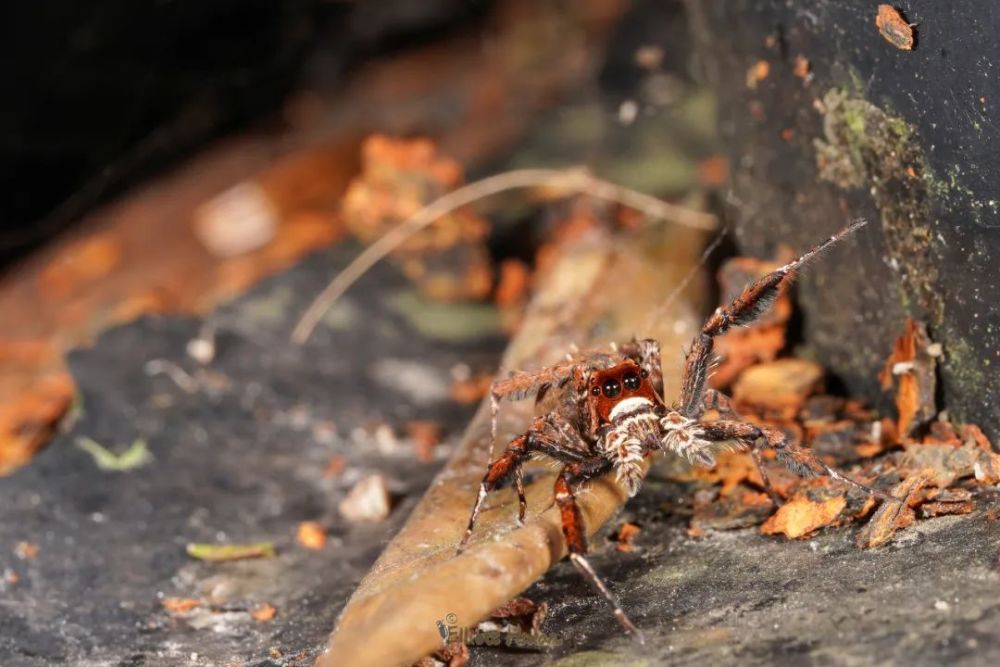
311, 535
894, 28
757, 73
175, 605
801, 516
913, 367
626, 534
891, 517
263, 612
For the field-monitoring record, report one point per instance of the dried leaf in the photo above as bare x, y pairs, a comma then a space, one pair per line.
218, 553
802, 515
135, 456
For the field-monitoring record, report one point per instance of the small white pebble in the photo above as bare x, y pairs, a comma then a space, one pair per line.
627, 112
201, 350
367, 501
237, 221
941, 605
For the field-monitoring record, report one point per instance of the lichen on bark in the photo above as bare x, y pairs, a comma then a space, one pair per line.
863, 146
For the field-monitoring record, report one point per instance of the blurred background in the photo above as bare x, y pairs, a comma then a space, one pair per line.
181, 179
162, 157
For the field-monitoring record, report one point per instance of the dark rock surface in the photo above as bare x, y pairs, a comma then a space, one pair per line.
239, 460
906, 139
930, 597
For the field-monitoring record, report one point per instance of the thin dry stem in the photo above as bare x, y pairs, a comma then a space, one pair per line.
573, 180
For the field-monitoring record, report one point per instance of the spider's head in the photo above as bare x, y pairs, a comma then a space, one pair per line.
610, 387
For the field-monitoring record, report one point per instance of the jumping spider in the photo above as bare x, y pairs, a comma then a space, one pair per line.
608, 413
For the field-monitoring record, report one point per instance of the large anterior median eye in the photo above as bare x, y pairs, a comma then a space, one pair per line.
631, 381
612, 388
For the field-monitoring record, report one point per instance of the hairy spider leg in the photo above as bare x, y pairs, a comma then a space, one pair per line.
716, 400
576, 538
751, 303
550, 435
800, 461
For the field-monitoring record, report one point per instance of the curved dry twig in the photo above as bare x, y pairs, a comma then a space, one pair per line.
574, 180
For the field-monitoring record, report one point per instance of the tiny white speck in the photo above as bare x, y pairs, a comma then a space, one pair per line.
628, 112
941, 605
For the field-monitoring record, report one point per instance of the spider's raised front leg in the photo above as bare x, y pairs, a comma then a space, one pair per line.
549, 434
720, 403
576, 535
753, 301
800, 461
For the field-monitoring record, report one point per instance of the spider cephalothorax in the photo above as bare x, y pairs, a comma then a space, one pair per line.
627, 412
605, 411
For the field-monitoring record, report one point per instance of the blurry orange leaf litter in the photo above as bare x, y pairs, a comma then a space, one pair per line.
311, 535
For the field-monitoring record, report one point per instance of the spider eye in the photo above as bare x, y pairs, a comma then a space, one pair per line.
631, 381
612, 388
595, 390
645, 373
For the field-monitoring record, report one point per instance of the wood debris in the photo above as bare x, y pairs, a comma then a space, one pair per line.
919, 456
448, 259
912, 367
894, 28
524, 612
311, 535
263, 612
890, 517
176, 605
626, 533
806, 513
